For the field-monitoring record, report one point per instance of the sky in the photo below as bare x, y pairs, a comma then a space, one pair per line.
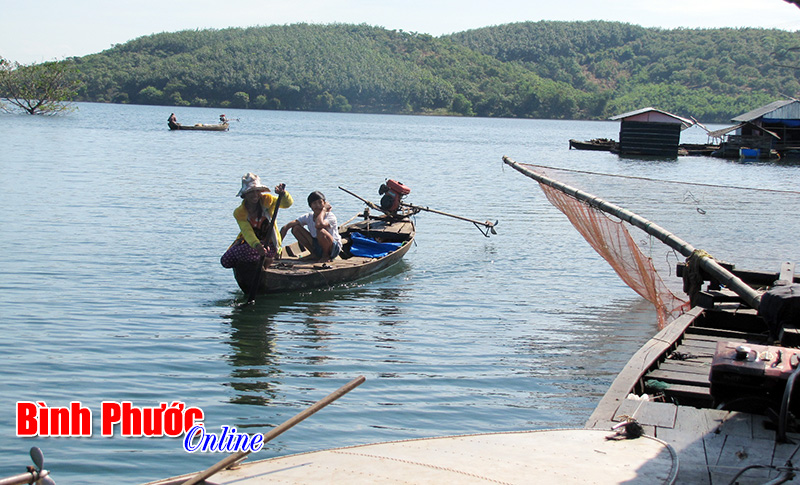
43, 30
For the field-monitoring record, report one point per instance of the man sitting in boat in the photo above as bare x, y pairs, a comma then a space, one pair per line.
223, 119
172, 122
318, 230
253, 220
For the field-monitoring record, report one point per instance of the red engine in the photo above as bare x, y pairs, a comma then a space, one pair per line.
393, 193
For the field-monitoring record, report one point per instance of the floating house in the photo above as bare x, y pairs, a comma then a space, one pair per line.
651, 132
770, 131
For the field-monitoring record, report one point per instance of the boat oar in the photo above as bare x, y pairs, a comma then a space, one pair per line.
488, 225
236, 457
260, 270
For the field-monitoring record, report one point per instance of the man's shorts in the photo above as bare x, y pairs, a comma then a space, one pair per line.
335, 250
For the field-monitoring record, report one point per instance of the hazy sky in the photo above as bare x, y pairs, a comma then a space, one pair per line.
42, 30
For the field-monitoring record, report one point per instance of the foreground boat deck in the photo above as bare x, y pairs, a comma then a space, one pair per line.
712, 445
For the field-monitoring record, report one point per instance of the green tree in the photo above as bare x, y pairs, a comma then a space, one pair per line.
241, 100
261, 102
45, 88
462, 105
151, 95
341, 104
175, 99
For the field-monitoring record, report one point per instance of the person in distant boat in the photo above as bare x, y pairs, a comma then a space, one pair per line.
223, 119
253, 216
172, 122
318, 230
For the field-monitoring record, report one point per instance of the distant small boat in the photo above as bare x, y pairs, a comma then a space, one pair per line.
361, 256
696, 149
596, 144
608, 145
199, 126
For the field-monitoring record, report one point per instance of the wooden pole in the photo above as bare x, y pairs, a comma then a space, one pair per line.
260, 270
725, 277
487, 224
371, 205
236, 457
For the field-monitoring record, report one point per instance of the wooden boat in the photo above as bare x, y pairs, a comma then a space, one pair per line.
595, 144
297, 269
608, 145
200, 127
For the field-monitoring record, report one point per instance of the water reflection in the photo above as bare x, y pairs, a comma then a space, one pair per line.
306, 334
253, 355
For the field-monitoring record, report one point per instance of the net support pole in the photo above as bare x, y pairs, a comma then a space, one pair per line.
750, 296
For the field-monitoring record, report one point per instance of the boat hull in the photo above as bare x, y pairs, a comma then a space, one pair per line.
201, 127
598, 144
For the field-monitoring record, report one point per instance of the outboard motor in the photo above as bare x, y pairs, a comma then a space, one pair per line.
393, 193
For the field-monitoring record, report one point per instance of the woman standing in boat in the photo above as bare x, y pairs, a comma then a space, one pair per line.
253, 216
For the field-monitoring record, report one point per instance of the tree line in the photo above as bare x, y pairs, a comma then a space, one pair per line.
711, 74
556, 70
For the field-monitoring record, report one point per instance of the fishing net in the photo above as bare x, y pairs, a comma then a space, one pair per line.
611, 239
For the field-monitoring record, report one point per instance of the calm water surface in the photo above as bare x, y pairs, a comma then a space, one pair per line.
111, 288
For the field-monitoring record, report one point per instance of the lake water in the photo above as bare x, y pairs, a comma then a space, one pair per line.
111, 287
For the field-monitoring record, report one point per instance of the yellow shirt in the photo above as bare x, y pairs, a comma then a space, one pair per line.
268, 204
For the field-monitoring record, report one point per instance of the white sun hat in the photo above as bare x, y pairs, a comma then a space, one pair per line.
251, 182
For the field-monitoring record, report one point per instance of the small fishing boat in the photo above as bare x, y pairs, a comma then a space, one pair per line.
595, 144
200, 127
609, 145
368, 246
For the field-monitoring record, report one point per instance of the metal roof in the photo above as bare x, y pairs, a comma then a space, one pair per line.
785, 109
724, 131
649, 109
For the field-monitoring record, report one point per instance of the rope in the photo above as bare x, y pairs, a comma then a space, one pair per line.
664, 181
693, 275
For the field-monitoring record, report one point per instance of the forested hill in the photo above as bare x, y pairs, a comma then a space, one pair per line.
576, 70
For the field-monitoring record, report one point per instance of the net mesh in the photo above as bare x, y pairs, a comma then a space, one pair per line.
611, 239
